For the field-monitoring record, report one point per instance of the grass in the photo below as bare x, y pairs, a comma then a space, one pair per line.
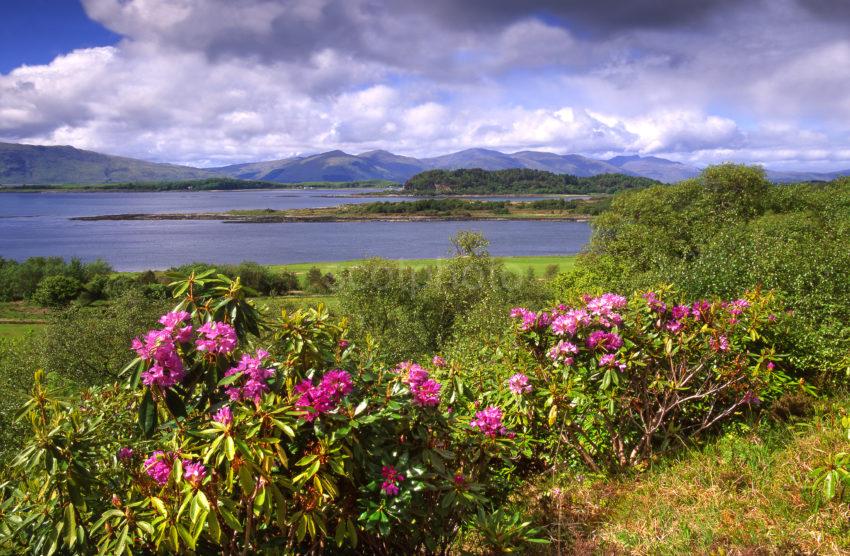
748, 493
8, 330
517, 265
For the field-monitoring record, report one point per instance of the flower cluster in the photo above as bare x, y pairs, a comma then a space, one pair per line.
610, 360
438, 362
519, 384
158, 466
391, 480
529, 320
125, 453
324, 397
194, 471
217, 338
489, 422
604, 308
563, 352
160, 347
605, 340
223, 415
254, 378
425, 390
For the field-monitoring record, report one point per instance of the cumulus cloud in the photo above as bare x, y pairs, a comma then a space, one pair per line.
218, 81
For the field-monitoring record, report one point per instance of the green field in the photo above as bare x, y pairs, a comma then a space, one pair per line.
513, 264
16, 330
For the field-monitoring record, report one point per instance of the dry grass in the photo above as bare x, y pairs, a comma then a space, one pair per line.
746, 494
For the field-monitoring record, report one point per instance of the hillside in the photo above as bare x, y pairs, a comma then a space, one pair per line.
518, 181
46, 165
35, 164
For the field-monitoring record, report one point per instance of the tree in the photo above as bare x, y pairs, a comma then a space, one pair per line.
57, 291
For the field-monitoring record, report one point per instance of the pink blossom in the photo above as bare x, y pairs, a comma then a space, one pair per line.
194, 471
610, 360
519, 384
254, 378
391, 479
568, 323
125, 453
438, 362
562, 351
771, 365
219, 338
489, 422
606, 340
158, 466
674, 326
700, 309
721, 343
427, 394
324, 397
343, 344
655, 305
224, 415
680, 311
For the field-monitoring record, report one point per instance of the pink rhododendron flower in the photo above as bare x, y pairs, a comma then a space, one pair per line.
391, 479
158, 466
529, 319
721, 343
606, 340
125, 453
674, 326
224, 415
519, 384
680, 311
325, 396
610, 360
700, 309
438, 362
343, 344
158, 347
218, 338
562, 352
655, 304
489, 422
427, 394
194, 471
771, 365
254, 376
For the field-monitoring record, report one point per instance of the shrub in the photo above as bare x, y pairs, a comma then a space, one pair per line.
621, 379
57, 291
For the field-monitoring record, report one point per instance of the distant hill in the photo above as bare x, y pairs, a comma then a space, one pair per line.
475, 181
33, 164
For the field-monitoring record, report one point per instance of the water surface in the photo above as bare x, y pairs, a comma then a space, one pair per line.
38, 224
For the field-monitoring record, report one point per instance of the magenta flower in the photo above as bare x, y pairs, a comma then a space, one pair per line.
771, 365
610, 360
224, 415
343, 344
125, 453
721, 343
391, 479
700, 309
254, 378
562, 352
438, 362
427, 394
606, 340
218, 338
519, 384
194, 472
655, 305
158, 347
324, 397
680, 311
158, 466
489, 422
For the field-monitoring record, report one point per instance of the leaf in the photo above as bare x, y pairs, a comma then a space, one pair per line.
159, 505
229, 448
70, 526
553, 414
175, 404
147, 414
358, 410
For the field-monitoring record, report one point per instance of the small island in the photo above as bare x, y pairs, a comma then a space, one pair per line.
565, 209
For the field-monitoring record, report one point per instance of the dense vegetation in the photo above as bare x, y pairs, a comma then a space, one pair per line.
673, 393
454, 206
476, 181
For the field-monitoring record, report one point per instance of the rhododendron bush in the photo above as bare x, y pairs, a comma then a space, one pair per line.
620, 378
238, 433
221, 443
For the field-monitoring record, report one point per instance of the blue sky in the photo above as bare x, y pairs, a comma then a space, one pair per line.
37, 31
211, 82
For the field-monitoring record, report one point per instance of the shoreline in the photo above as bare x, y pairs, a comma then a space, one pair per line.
288, 218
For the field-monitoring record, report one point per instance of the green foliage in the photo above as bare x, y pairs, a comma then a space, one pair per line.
728, 231
57, 291
518, 180
88, 346
319, 283
505, 532
257, 277
19, 280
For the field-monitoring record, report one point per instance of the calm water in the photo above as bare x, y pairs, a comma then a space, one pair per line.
38, 224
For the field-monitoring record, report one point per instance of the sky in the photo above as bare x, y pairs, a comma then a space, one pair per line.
214, 82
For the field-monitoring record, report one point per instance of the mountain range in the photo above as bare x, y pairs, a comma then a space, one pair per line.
36, 164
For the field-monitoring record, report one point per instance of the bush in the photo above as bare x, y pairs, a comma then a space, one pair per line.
621, 379
57, 291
